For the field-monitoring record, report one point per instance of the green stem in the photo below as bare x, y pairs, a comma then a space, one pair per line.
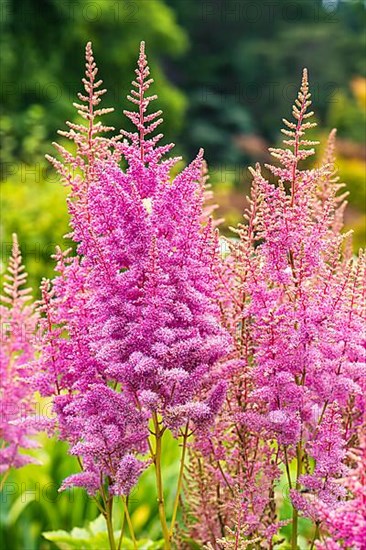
100, 508
295, 513
108, 517
180, 481
159, 483
127, 518
123, 527
287, 467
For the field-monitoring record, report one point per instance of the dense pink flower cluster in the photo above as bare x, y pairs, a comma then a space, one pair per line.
293, 298
131, 324
18, 325
306, 311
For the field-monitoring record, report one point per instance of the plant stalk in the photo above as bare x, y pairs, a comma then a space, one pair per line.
316, 535
159, 483
108, 518
180, 481
123, 527
127, 518
295, 513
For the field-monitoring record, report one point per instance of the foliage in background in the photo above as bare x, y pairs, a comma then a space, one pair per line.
33, 205
244, 57
40, 70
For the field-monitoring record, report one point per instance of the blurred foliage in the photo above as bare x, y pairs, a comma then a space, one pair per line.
42, 48
348, 116
30, 502
242, 69
33, 206
95, 536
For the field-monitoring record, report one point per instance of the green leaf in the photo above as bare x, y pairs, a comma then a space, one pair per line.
95, 536
66, 541
98, 525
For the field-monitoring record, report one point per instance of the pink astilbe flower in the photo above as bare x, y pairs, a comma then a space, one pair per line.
78, 169
293, 298
131, 325
305, 302
18, 325
322, 485
305, 308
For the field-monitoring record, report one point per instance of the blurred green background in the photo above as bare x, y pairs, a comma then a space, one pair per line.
226, 73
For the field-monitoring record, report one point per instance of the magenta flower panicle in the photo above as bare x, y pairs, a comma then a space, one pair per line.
131, 324
18, 327
293, 299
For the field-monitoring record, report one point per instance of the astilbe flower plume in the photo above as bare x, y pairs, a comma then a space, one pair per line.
18, 326
131, 324
306, 311
294, 299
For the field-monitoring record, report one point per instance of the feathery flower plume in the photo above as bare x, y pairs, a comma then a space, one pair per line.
18, 325
294, 300
131, 323
306, 315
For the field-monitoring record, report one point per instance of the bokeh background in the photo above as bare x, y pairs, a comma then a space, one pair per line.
226, 73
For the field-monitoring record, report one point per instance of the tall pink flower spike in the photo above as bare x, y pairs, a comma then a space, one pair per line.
131, 325
293, 299
18, 326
